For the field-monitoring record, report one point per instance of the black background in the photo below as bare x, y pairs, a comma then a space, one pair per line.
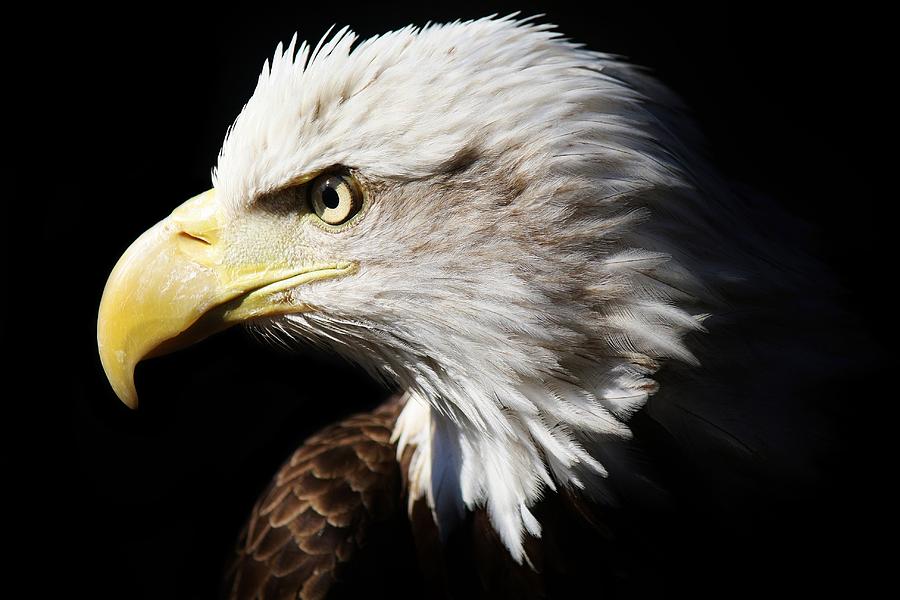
123, 110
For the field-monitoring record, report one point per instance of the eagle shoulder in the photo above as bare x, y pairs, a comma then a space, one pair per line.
327, 505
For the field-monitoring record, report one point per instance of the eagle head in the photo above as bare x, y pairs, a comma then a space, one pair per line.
506, 226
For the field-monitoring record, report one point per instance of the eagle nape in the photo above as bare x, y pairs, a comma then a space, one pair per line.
593, 336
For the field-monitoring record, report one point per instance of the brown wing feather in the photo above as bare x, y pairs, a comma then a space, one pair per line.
333, 523
337, 492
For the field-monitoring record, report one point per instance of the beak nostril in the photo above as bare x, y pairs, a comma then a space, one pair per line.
193, 237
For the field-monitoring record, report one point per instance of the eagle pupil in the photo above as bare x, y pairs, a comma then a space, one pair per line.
330, 197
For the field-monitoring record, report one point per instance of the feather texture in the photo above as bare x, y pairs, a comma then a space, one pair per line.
542, 246
324, 505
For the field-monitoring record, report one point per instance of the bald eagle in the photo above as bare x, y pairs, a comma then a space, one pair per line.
522, 237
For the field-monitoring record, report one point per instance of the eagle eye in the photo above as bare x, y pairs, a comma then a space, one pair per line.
335, 198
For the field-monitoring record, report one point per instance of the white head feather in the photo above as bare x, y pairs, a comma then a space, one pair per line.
537, 242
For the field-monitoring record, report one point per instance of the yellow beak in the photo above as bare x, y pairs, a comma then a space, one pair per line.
174, 286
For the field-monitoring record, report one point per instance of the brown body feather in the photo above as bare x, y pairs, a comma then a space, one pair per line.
338, 496
333, 523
